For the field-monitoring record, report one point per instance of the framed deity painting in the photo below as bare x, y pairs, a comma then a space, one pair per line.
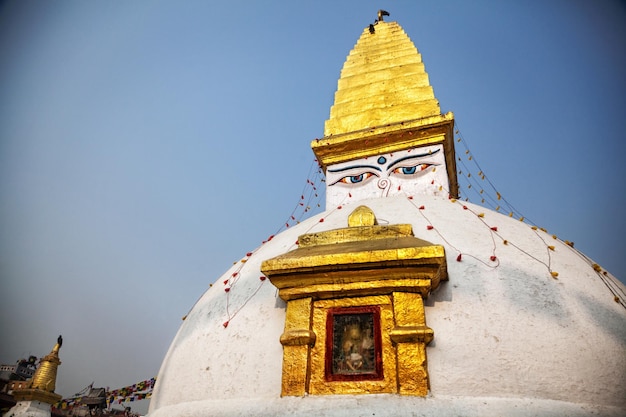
353, 344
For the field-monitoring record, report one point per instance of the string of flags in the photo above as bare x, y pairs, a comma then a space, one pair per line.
135, 392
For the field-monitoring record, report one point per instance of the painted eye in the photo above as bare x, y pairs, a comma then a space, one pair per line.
412, 169
355, 179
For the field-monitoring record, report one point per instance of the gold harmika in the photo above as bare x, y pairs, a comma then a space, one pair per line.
365, 272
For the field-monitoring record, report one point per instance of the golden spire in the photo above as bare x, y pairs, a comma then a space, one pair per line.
46, 374
383, 81
41, 386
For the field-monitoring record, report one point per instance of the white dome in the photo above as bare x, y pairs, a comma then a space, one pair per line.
510, 339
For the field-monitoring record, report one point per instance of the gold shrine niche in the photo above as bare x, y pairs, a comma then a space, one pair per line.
355, 321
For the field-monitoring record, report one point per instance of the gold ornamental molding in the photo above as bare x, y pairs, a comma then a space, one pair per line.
355, 321
375, 140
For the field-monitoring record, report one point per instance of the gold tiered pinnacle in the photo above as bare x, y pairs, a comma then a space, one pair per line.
382, 82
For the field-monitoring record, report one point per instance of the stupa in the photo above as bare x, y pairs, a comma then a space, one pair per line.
37, 398
399, 299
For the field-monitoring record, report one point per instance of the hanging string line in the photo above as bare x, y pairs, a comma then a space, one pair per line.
472, 184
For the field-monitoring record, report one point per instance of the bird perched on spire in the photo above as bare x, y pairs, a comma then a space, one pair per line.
382, 13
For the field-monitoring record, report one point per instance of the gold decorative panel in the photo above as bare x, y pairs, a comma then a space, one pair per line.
319, 378
355, 320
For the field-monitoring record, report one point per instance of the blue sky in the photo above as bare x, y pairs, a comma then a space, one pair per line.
146, 145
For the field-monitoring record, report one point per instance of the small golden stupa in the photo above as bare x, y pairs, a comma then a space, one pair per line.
41, 386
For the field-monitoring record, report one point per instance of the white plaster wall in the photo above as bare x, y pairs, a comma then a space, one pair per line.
388, 406
508, 333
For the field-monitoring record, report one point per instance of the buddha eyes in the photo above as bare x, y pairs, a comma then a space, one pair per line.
355, 179
402, 171
403, 167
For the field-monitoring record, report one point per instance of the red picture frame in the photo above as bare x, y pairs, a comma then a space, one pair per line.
353, 344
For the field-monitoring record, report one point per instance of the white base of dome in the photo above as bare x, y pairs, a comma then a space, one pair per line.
386, 406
